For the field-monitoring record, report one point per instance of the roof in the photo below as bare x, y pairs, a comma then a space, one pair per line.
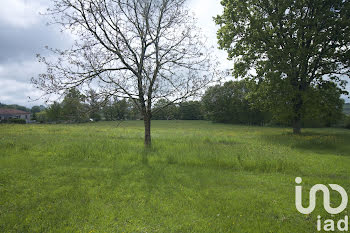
4, 111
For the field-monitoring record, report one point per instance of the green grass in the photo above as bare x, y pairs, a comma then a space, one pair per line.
198, 177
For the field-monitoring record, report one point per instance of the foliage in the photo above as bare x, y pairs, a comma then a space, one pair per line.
73, 108
133, 113
54, 112
14, 121
116, 110
325, 106
42, 117
94, 105
165, 110
187, 110
288, 47
198, 177
14, 106
347, 122
35, 110
322, 104
229, 104
190, 110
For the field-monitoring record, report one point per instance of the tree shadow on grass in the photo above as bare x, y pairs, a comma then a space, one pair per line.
146, 153
337, 143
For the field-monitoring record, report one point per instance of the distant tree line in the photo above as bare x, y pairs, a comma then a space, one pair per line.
77, 108
239, 102
232, 102
229, 103
346, 109
14, 106
347, 116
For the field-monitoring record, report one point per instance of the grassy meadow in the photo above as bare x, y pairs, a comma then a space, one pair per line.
197, 177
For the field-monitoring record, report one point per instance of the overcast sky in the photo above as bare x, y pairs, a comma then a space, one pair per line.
24, 33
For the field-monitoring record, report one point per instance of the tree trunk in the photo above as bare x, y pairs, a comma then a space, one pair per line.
297, 126
147, 122
298, 104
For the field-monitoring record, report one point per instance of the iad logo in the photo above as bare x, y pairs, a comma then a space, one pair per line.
326, 198
328, 224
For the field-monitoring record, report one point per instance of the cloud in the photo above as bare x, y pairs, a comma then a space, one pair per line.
205, 11
20, 71
24, 43
17, 92
20, 13
23, 34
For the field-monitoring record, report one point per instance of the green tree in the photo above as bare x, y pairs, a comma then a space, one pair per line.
14, 106
325, 105
229, 104
42, 117
322, 103
34, 110
109, 112
165, 110
116, 110
288, 47
122, 108
94, 105
54, 112
133, 113
347, 122
190, 110
73, 107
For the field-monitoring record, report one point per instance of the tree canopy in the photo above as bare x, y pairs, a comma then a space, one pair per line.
229, 103
288, 47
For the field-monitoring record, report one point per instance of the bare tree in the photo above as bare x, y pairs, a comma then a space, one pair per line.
144, 50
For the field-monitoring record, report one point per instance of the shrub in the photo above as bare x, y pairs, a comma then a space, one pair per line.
41, 117
17, 121
347, 122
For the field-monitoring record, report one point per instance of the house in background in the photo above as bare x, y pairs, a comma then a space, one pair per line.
6, 114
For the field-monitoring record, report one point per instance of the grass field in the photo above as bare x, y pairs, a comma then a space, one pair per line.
198, 177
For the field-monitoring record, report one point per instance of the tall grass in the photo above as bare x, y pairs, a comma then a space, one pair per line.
197, 177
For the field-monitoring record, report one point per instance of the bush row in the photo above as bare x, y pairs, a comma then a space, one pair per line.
14, 121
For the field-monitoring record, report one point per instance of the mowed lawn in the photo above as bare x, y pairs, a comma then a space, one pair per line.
197, 177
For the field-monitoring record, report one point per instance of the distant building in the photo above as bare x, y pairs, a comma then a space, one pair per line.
6, 114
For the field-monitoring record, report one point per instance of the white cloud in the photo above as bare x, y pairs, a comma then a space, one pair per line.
20, 13
21, 71
17, 92
23, 17
23, 34
204, 11
15, 77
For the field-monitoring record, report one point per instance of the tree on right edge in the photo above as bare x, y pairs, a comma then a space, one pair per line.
288, 47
